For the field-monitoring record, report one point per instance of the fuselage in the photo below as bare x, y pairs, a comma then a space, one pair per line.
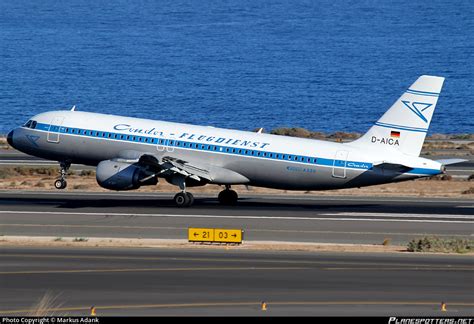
265, 160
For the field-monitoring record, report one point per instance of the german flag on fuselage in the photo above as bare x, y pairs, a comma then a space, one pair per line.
395, 134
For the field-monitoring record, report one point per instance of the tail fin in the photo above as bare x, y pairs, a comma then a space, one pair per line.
404, 126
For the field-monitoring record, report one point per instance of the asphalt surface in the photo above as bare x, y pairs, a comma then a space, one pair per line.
263, 218
183, 282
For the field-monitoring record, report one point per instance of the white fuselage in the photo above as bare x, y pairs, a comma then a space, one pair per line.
264, 159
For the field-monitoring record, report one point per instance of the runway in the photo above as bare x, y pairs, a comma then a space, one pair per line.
200, 282
263, 218
183, 282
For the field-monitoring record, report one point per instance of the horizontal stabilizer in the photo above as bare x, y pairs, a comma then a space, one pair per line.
451, 161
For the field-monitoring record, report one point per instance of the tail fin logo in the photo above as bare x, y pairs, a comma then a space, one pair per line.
418, 108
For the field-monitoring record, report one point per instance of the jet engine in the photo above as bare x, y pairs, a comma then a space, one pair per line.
115, 175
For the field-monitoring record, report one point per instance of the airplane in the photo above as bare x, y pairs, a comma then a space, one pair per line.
129, 152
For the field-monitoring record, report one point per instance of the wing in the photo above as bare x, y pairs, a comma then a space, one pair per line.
171, 165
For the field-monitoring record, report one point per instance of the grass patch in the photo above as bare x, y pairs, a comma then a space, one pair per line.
40, 184
46, 305
436, 244
80, 239
25, 171
386, 242
469, 191
80, 187
87, 173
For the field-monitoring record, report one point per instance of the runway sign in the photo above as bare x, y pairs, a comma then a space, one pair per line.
201, 235
218, 235
227, 235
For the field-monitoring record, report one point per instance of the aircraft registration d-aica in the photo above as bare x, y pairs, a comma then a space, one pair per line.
131, 152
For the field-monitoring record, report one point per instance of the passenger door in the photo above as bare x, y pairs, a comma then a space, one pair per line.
339, 165
54, 128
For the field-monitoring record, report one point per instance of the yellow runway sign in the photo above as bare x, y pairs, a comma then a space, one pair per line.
218, 235
227, 235
201, 235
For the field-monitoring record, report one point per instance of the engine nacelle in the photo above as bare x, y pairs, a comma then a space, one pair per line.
115, 175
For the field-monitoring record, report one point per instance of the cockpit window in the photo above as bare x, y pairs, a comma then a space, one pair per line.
30, 124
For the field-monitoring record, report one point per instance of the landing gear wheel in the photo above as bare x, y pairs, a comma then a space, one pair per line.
191, 198
60, 184
182, 199
228, 197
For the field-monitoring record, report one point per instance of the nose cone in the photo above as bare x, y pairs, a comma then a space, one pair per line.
10, 138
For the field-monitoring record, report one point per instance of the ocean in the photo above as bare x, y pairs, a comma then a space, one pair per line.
322, 65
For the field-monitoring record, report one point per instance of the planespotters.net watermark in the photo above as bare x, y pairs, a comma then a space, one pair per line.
442, 320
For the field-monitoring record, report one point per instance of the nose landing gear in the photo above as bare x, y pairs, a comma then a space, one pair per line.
61, 183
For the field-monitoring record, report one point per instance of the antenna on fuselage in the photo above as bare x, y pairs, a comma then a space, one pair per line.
73, 108
260, 131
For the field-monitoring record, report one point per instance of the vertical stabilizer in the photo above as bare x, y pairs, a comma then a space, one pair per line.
404, 126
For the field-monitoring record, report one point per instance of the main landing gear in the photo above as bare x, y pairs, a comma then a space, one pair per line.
228, 197
61, 183
183, 199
